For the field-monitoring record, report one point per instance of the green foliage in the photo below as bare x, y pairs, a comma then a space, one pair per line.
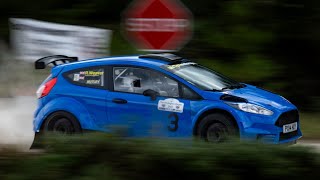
102, 156
310, 125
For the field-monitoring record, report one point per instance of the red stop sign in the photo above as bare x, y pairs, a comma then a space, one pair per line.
158, 25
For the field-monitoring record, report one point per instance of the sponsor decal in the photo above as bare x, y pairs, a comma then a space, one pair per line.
76, 77
94, 82
81, 77
170, 104
91, 73
175, 66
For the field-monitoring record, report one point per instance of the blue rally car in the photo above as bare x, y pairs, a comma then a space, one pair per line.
158, 95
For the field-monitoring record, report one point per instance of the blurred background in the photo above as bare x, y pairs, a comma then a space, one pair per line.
273, 44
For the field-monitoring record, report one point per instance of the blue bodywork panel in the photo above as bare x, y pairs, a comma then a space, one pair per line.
96, 110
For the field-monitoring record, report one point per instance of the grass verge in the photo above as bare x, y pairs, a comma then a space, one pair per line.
310, 126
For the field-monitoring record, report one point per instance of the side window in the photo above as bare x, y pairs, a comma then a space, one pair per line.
91, 77
189, 94
137, 80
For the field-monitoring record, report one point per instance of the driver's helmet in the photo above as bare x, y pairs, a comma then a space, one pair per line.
128, 80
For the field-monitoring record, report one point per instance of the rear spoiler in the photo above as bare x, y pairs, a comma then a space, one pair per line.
55, 60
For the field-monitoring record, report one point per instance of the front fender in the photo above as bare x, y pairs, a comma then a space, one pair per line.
65, 104
217, 106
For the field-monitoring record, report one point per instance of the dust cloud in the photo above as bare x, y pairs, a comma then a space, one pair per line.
16, 116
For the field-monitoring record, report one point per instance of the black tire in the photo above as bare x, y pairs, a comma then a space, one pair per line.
61, 122
217, 128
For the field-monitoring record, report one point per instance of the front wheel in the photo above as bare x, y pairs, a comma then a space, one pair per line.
217, 128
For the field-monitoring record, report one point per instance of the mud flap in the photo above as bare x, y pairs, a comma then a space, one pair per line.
37, 141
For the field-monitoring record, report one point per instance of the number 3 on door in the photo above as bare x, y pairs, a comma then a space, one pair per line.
173, 122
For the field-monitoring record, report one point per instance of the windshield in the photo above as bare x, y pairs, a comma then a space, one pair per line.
203, 78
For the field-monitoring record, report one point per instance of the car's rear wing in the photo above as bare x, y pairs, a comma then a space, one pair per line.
55, 60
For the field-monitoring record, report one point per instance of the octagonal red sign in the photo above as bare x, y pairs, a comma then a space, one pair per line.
157, 25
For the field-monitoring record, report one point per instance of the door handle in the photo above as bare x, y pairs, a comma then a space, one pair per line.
119, 101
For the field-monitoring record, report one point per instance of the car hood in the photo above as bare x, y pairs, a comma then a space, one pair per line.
260, 97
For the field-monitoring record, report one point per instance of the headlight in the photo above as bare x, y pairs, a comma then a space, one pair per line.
251, 108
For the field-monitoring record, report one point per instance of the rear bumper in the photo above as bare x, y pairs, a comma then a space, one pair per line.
37, 123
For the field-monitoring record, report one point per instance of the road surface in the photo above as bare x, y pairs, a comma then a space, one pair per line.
16, 123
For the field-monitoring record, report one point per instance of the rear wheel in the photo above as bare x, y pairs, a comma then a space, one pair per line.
59, 122
62, 122
217, 128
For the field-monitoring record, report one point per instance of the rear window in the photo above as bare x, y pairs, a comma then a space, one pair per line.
90, 77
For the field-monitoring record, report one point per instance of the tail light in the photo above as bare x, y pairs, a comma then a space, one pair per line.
46, 88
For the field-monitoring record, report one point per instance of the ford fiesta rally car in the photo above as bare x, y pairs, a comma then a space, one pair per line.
158, 95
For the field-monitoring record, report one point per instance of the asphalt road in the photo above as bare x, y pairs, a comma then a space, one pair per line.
16, 123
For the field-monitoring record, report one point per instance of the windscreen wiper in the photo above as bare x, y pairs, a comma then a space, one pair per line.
214, 90
233, 86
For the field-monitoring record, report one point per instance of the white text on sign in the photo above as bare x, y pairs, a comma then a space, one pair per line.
156, 24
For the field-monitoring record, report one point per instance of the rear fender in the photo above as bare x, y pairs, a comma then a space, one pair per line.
69, 105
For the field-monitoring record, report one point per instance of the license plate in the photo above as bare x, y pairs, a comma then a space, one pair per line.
290, 127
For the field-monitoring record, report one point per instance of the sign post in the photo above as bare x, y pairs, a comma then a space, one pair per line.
157, 25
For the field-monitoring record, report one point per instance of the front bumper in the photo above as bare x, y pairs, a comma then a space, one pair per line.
269, 129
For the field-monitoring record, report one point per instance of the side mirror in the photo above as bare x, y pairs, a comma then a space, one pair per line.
153, 94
